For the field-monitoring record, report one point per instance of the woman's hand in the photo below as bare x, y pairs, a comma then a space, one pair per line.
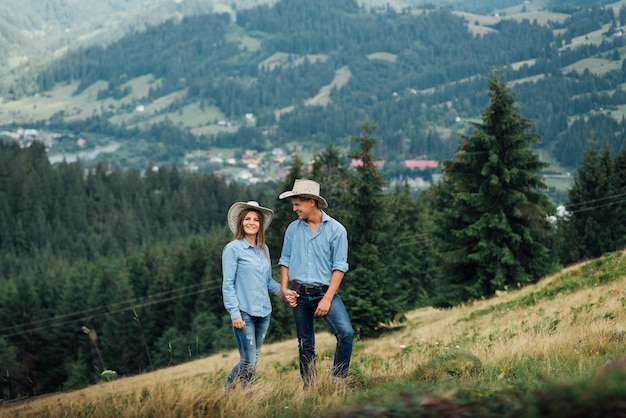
291, 296
238, 323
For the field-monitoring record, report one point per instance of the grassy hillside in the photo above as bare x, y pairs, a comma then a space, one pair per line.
537, 347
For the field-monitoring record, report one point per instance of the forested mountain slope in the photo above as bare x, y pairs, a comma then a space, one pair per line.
36, 30
31, 30
307, 74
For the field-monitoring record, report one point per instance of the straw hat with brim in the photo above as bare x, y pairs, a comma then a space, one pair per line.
236, 209
305, 188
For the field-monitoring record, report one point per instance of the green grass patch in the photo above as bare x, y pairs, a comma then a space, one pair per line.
342, 76
140, 86
595, 37
519, 64
63, 99
592, 397
618, 112
599, 66
384, 56
595, 273
42, 106
533, 12
601, 394
238, 35
542, 17
284, 59
192, 115
214, 129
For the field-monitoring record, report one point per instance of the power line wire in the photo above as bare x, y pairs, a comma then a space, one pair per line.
600, 199
585, 209
98, 312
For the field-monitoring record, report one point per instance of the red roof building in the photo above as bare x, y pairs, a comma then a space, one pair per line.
421, 164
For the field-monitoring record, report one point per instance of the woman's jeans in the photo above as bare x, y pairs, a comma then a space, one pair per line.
249, 342
339, 323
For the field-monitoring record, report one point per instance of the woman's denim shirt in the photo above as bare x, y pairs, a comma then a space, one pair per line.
247, 277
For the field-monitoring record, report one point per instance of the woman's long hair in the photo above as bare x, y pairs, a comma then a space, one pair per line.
260, 236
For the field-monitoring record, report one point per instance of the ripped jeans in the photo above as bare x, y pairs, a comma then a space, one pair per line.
249, 342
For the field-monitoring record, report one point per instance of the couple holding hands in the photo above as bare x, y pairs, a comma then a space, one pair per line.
312, 264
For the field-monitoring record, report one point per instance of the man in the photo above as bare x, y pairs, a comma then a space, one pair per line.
314, 259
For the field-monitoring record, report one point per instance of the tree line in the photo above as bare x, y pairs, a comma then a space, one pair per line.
72, 213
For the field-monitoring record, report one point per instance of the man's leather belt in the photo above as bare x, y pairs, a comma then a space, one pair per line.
308, 290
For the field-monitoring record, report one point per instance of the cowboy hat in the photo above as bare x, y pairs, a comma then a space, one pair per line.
305, 188
236, 209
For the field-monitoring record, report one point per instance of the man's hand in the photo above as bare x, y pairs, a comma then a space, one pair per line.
291, 296
323, 307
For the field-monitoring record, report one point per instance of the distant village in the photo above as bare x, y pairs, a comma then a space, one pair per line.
25, 137
253, 167
250, 167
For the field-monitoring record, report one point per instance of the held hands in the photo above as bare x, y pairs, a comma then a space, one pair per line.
291, 296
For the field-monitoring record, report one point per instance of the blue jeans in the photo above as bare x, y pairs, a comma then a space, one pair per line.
339, 323
249, 342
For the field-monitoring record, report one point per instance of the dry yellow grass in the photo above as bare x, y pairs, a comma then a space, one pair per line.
577, 329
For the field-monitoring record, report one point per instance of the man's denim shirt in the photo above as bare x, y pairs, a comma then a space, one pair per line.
311, 258
247, 277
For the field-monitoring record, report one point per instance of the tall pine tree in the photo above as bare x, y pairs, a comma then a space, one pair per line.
368, 289
329, 169
283, 210
595, 221
491, 219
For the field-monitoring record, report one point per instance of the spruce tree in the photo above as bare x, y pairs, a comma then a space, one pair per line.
491, 218
10, 369
595, 220
411, 252
283, 209
368, 288
329, 170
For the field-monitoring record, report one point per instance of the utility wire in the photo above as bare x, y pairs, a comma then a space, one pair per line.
109, 306
600, 199
585, 209
112, 308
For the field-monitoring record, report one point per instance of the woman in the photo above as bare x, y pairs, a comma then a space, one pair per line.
247, 277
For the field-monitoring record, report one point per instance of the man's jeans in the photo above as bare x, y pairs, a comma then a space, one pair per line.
339, 323
249, 342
